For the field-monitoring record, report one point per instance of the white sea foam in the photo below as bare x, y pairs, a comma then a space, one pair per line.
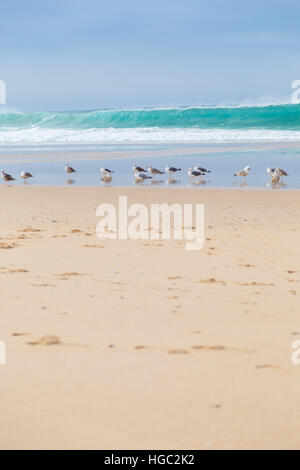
174, 135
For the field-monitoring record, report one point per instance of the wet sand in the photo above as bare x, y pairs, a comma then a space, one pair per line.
139, 150
141, 344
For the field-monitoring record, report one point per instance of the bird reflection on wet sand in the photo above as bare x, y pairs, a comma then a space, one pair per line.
172, 181
198, 182
241, 184
277, 185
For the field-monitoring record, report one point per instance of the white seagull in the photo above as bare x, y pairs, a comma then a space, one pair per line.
245, 172
69, 169
6, 177
194, 173
154, 171
25, 175
105, 171
274, 177
201, 169
171, 169
271, 171
140, 177
138, 169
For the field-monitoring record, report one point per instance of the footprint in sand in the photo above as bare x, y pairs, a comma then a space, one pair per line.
93, 246
42, 285
116, 283
20, 334
52, 341
209, 348
153, 244
178, 351
65, 276
219, 347
267, 366
210, 281
254, 283
14, 271
46, 341
4, 270
30, 230
7, 246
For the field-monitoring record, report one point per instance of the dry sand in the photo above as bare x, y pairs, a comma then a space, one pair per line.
136, 344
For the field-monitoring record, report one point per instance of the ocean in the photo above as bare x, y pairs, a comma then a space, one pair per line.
175, 124
222, 138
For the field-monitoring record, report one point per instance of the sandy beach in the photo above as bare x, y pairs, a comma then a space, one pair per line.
142, 344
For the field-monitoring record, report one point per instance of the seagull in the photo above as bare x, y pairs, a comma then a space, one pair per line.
138, 169
6, 177
105, 171
271, 171
140, 177
274, 176
280, 172
154, 171
25, 175
243, 172
200, 168
69, 169
172, 169
194, 173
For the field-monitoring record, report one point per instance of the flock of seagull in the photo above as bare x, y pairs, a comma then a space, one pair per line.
140, 174
275, 173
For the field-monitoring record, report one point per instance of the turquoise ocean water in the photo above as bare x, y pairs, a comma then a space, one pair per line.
177, 124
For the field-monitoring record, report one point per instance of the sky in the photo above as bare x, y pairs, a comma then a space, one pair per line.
89, 54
